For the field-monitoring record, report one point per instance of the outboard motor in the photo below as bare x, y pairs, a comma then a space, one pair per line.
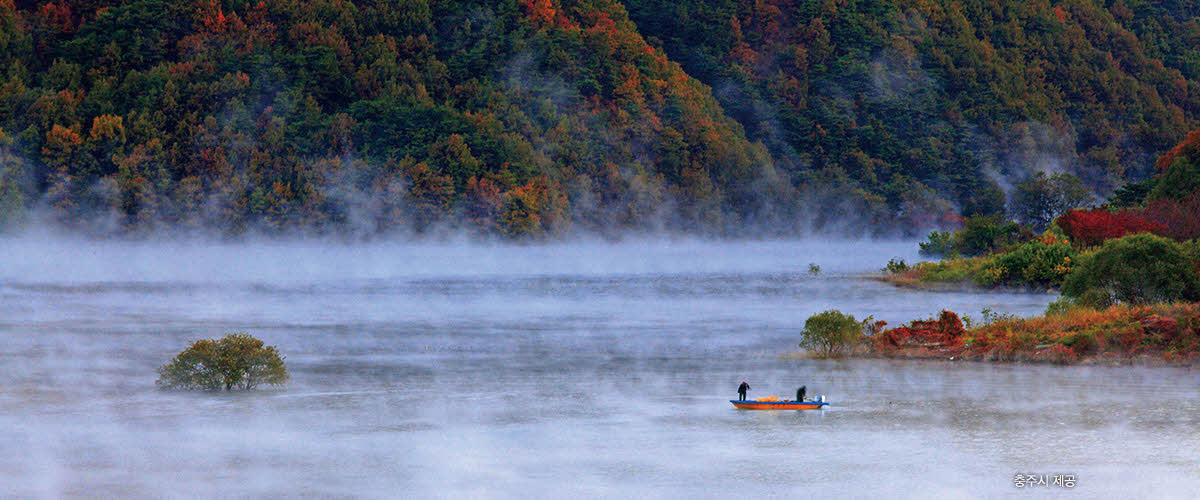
821, 398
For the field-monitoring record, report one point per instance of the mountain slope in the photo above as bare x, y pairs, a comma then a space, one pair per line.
513, 117
535, 117
962, 96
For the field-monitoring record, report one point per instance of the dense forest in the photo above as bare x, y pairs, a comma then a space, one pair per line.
538, 117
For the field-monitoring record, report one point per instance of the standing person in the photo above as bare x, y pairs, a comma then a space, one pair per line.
800, 393
742, 390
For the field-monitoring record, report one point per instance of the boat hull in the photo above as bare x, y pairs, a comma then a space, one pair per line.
778, 405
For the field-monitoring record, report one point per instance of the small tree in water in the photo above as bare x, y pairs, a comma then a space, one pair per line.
237, 361
830, 333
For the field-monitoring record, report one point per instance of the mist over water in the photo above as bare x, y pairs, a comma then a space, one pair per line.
449, 370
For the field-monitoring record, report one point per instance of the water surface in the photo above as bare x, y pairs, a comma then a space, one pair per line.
587, 369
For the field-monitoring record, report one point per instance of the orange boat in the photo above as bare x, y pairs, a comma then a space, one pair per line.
774, 403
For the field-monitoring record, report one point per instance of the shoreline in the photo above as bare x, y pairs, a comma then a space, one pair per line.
1150, 335
965, 286
1110, 359
1104, 359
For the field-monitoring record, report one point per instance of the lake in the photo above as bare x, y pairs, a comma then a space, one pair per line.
591, 369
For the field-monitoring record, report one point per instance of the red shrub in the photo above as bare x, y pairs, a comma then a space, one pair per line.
1092, 227
997, 344
946, 330
1161, 330
1178, 218
1127, 339
1083, 344
891, 340
1061, 354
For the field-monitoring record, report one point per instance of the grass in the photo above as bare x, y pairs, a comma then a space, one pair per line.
1037, 264
952, 272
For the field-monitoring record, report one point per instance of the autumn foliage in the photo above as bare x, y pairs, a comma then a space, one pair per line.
522, 118
1179, 219
942, 333
1092, 227
235, 361
1170, 332
1188, 150
365, 118
1173, 218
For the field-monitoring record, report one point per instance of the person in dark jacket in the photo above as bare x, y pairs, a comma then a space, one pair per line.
742, 390
800, 393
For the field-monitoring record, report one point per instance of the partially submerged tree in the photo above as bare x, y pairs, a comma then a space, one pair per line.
237, 361
830, 333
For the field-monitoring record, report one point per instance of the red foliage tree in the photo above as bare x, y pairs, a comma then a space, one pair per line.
540, 11
1179, 219
483, 201
1189, 148
1092, 227
56, 17
535, 209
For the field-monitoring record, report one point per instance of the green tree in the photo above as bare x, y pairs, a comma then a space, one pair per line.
1136, 269
1179, 171
981, 235
13, 181
1041, 198
714, 116
1180, 179
830, 333
1130, 195
978, 236
236, 361
938, 244
12, 204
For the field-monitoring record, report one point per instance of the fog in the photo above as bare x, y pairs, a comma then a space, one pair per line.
601, 369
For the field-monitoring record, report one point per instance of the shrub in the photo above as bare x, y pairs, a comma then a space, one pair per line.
990, 316
1082, 343
1135, 269
1060, 354
830, 333
237, 361
951, 271
1043, 262
1093, 299
1160, 330
1062, 305
895, 266
946, 331
1127, 338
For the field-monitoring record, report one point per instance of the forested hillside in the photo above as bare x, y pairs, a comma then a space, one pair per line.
963, 97
537, 117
